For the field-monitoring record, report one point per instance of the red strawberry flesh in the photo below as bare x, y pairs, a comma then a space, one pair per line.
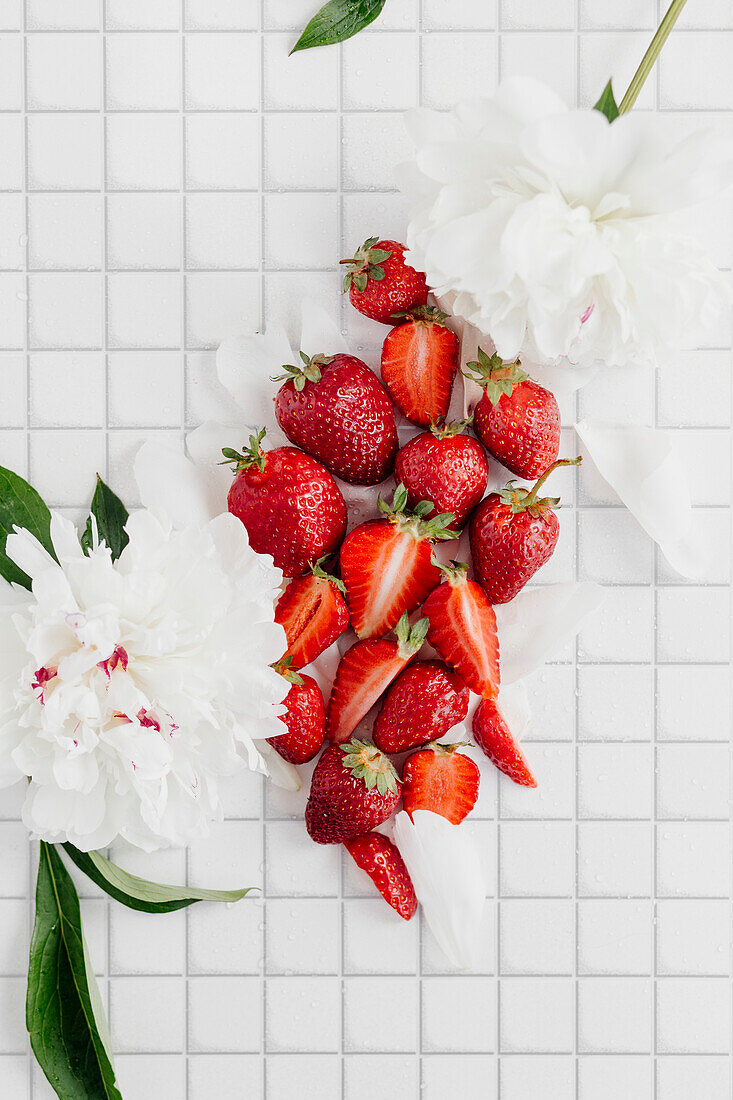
314, 615
463, 630
419, 364
440, 779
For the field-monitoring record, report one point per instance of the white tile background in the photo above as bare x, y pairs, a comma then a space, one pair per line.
168, 177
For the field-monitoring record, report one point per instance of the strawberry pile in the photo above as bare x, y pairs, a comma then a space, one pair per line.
424, 652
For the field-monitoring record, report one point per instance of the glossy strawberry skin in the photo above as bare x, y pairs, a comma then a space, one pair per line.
292, 509
422, 704
313, 614
493, 737
419, 364
463, 631
507, 549
386, 572
401, 289
345, 420
522, 431
381, 860
341, 807
442, 781
452, 472
364, 672
306, 722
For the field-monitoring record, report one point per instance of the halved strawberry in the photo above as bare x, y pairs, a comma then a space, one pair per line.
382, 861
313, 613
494, 738
305, 717
386, 563
463, 629
365, 671
440, 779
419, 363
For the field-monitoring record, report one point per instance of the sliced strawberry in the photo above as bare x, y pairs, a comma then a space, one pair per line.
305, 717
313, 613
419, 364
440, 779
386, 564
381, 860
365, 671
463, 630
494, 738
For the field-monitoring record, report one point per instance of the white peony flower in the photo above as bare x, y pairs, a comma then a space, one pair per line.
129, 687
556, 233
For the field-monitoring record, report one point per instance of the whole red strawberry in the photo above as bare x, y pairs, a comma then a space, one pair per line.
421, 705
386, 564
440, 779
289, 503
380, 283
381, 860
517, 420
445, 467
494, 738
513, 532
419, 362
305, 718
313, 613
354, 789
337, 410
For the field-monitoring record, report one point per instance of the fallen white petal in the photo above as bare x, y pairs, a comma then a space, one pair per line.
172, 486
445, 868
537, 622
281, 772
246, 366
643, 468
319, 333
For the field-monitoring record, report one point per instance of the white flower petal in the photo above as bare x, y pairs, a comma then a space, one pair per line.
644, 469
281, 772
536, 623
25, 550
171, 485
319, 333
446, 871
246, 366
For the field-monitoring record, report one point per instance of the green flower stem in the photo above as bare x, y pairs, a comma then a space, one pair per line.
651, 55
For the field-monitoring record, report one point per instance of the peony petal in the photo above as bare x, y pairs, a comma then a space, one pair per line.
25, 550
282, 773
172, 486
644, 469
319, 333
446, 871
246, 366
537, 622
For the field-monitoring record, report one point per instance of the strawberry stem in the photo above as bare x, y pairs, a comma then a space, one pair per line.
531, 498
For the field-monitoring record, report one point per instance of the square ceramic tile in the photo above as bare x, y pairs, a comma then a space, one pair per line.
392, 63
220, 305
376, 940
305, 82
144, 231
67, 388
42, 15
614, 859
222, 151
679, 1077
302, 1014
148, 15
300, 231
693, 859
551, 1076
302, 936
606, 1077
64, 152
615, 1015
66, 310
390, 1005
615, 781
473, 1078
225, 1075
223, 231
693, 1015
141, 946
65, 232
553, 767
615, 936
361, 1070
147, 1014
145, 389
537, 936
318, 1075
693, 937
227, 939
224, 1014
526, 15
449, 63
290, 141
458, 1014
693, 624
537, 859
693, 781
143, 152
536, 1014
222, 72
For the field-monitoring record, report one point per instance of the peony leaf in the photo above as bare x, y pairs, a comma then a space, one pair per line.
21, 506
64, 1014
336, 21
138, 893
111, 516
607, 104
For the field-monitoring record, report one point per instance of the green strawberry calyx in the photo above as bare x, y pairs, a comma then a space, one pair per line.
322, 574
410, 638
443, 429
365, 761
283, 666
527, 500
421, 315
455, 572
308, 370
496, 377
248, 456
441, 749
414, 522
365, 265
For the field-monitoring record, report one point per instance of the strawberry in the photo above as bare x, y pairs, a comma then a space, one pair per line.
494, 738
440, 779
382, 861
364, 672
386, 564
305, 717
289, 503
445, 467
514, 532
380, 283
354, 788
421, 705
419, 363
313, 613
517, 420
337, 410
463, 629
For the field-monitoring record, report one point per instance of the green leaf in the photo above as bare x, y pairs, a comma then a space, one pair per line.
138, 893
21, 506
336, 21
607, 104
64, 1015
111, 516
